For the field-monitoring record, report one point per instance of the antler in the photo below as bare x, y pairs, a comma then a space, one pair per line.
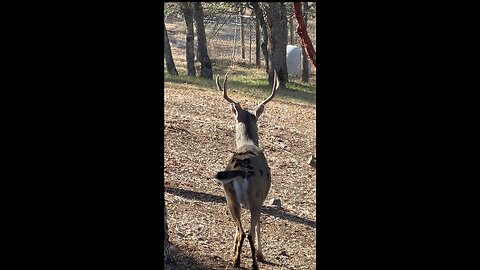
224, 90
276, 85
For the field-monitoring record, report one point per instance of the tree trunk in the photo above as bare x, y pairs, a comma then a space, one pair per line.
242, 34
291, 32
206, 64
167, 53
190, 55
305, 63
250, 39
234, 38
257, 44
278, 39
263, 26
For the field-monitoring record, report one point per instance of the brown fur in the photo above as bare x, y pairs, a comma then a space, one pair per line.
246, 179
251, 161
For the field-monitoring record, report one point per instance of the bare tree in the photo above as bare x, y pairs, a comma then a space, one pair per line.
167, 52
257, 44
263, 26
278, 39
190, 55
206, 64
242, 32
290, 19
305, 63
290, 24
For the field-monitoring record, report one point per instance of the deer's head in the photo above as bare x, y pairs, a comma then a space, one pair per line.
246, 120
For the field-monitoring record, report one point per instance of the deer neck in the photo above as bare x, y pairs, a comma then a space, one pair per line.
246, 134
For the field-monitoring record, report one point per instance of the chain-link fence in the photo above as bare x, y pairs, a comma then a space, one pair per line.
234, 37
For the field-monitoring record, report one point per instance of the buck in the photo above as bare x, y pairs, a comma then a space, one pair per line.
246, 179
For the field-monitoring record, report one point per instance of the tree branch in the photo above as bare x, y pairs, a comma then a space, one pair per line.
302, 32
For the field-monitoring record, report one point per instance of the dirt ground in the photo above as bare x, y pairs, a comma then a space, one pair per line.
199, 140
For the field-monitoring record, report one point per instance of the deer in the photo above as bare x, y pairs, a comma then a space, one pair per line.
246, 179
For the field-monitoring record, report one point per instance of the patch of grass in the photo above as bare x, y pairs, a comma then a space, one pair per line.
254, 84
184, 79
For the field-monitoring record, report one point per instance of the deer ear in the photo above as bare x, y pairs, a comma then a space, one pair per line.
259, 110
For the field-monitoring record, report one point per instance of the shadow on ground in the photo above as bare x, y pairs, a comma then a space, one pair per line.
183, 260
272, 211
193, 195
282, 214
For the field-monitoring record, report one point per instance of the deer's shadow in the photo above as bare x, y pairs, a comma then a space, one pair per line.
267, 210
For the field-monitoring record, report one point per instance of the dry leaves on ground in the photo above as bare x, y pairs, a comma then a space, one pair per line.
199, 140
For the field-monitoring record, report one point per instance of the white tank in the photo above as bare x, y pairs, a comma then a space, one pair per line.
294, 60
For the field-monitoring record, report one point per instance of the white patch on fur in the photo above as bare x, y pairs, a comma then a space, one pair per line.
241, 188
241, 137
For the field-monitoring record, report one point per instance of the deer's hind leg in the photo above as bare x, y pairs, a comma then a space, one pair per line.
239, 234
255, 218
259, 253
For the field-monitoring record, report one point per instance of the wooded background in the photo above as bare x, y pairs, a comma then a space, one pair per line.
247, 32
